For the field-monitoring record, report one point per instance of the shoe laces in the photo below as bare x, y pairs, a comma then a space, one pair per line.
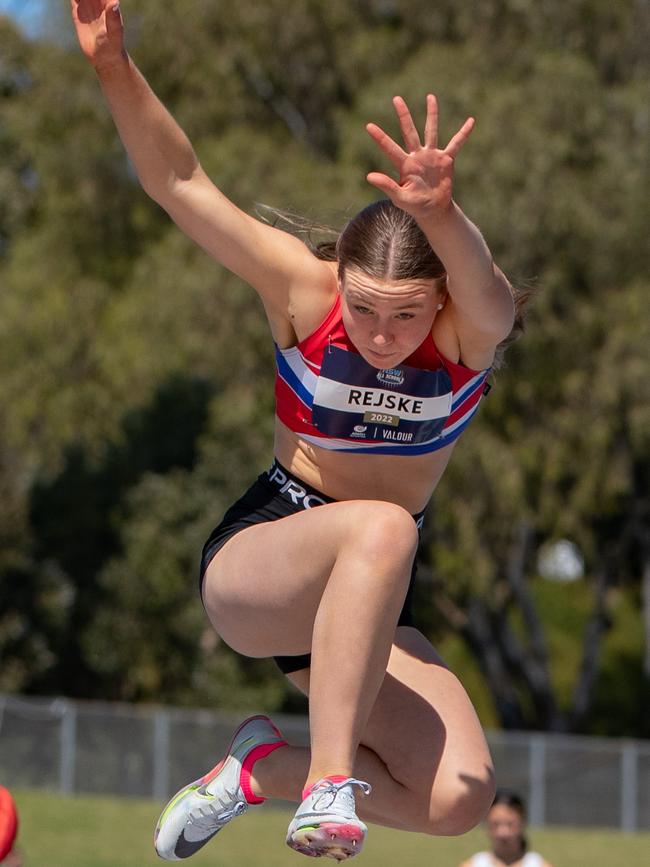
212, 817
326, 792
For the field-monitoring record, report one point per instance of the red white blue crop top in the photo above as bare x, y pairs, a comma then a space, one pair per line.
332, 398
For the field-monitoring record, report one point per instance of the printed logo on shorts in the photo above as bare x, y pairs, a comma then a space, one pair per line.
298, 495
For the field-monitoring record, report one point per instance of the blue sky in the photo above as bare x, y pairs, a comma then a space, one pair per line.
28, 13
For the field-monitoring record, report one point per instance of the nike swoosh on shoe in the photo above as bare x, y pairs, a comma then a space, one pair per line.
184, 848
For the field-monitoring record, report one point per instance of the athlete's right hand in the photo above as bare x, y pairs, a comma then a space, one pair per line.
100, 30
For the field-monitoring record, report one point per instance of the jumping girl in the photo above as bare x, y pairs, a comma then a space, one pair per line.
383, 347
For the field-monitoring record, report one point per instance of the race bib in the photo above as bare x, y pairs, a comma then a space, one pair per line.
354, 400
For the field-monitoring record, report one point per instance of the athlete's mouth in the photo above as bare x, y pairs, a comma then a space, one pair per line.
381, 354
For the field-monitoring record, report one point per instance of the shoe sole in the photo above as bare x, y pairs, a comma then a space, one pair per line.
328, 840
206, 778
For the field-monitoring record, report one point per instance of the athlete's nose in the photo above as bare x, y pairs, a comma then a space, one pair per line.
381, 338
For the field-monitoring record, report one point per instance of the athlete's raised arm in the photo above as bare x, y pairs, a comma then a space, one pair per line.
482, 308
273, 262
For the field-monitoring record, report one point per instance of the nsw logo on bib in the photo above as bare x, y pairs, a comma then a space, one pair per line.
354, 400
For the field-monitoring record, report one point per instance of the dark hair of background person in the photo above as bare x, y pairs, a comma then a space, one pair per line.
508, 798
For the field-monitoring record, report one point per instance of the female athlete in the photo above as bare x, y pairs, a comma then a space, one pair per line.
506, 827
383, 347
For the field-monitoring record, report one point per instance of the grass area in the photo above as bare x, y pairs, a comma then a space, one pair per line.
107, 832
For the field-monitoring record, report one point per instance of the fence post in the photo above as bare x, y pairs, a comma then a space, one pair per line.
537, 780
68, 737
629, 787
160, 788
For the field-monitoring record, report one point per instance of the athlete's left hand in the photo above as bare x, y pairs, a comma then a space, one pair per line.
425, 171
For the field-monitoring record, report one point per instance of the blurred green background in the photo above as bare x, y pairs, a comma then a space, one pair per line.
136, 375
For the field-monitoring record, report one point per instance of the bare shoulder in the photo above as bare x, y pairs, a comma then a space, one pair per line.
312, 298
296, 314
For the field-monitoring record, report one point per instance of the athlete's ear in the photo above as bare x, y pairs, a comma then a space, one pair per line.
340, 277
441, 298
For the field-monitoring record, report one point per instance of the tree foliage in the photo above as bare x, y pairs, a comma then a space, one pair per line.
135, 375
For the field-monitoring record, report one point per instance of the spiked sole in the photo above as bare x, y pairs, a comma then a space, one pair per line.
329, 840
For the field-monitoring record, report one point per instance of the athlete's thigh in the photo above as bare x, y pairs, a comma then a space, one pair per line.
423, 724
263, 588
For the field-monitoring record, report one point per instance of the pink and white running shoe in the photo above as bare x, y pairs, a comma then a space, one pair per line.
326, 822
201, 809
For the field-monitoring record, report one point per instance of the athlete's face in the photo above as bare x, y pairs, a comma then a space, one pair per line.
505, 828
388, 319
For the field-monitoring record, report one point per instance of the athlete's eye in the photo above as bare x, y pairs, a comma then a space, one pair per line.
361, 309
404, 316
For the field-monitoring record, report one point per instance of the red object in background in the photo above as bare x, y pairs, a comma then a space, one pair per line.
8, 822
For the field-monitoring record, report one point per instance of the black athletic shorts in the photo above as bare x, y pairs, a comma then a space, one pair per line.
277, 494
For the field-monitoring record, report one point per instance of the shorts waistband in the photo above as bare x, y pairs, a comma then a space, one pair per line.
301, 494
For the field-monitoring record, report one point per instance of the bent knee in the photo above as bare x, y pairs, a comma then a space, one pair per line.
383, 530
457, 811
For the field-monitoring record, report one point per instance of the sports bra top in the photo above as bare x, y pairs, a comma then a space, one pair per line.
331, 397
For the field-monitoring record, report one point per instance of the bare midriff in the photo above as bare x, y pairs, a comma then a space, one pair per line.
407, 480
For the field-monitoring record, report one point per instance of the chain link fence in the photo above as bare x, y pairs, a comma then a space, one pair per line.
129, 750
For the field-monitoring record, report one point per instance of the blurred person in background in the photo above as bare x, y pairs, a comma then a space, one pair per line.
383, 343
506, 827
9, 856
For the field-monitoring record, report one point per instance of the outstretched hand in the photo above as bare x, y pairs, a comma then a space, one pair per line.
100, 30
425, 171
